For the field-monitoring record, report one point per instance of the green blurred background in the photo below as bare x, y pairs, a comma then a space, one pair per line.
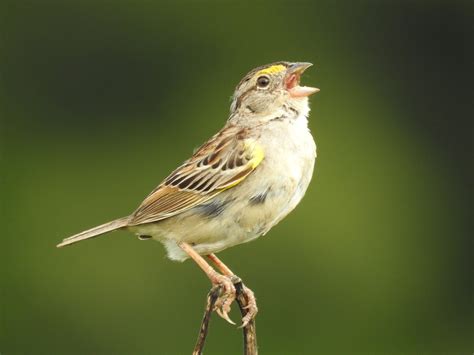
100, 100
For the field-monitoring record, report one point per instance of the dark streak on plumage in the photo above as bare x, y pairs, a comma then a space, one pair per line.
203, 184
231, 161
223, 142
195, 183
212, 209
216, 165
242, 96
175, 181
259, 198
239, 161
278, 118
144, 237
213, 157
294, 110
210, 185
242, 134
186, 182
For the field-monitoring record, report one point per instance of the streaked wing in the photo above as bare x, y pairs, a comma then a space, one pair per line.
221, 163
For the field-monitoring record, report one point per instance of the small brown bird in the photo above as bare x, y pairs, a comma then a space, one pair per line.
237, 185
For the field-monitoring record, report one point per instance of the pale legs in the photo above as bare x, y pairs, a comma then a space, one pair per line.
227, 280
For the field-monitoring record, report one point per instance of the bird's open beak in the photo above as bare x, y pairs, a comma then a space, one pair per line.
292, 80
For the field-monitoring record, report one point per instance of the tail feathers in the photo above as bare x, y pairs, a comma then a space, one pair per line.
95, 232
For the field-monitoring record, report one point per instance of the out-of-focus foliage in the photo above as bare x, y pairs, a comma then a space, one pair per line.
100, 100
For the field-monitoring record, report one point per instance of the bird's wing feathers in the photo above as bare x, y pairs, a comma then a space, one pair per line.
221, 163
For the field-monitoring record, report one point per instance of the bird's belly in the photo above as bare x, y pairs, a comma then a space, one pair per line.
284, 185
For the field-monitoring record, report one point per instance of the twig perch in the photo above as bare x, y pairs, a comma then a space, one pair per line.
249, 331
211, 300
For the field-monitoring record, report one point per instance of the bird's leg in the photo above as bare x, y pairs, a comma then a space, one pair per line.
227, 296
248, 293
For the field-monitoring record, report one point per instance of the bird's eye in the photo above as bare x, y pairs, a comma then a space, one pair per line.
263, 81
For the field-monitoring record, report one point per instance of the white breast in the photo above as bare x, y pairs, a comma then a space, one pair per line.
289, 160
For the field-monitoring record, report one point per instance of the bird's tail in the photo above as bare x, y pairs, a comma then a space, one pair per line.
96, 231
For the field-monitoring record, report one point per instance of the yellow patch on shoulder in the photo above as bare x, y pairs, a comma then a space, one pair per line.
256, 151
272, 70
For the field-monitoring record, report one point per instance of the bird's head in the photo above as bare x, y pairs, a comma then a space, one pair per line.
268, 88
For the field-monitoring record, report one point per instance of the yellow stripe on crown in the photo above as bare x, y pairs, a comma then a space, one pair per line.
272, 70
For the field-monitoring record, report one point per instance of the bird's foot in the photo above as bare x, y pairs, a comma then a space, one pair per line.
251, 306
226, 297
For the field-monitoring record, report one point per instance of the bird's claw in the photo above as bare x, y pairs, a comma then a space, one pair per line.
226, 296
224, 315
251, 306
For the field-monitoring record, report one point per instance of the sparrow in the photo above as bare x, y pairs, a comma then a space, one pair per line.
236, 186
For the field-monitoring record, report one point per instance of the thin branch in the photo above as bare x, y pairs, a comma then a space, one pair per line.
211, 300
250, 331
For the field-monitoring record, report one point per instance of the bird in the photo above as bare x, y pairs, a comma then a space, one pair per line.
237, 185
